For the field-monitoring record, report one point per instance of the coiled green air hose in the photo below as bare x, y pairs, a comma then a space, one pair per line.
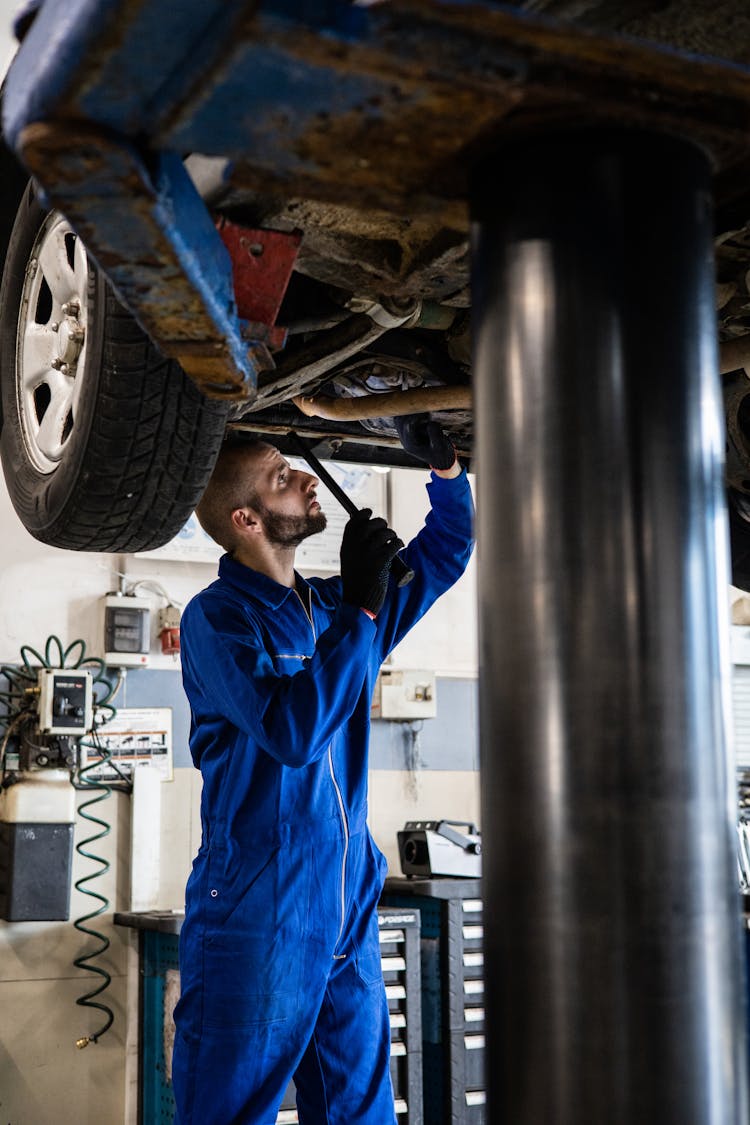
18, 709
84, 962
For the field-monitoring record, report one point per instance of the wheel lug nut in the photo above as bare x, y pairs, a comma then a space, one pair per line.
54, 326
71, 308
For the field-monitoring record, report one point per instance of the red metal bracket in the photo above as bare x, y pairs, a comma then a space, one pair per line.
262, 263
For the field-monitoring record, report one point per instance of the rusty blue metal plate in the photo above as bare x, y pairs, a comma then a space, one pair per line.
377, 107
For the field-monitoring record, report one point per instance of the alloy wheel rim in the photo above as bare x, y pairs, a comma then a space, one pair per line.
51, 343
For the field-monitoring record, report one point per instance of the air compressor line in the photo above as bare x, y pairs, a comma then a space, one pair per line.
88, 1000
18, 707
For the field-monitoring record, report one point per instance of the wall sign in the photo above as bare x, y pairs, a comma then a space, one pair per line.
366, 487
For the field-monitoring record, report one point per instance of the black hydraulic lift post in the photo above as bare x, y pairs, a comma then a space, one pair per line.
613, 967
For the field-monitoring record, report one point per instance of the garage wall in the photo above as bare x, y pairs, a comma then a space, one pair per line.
44, 1079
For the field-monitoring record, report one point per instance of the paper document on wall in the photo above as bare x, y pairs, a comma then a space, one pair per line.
365, 486
135, 736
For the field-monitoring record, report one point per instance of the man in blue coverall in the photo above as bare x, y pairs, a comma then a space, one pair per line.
279, 952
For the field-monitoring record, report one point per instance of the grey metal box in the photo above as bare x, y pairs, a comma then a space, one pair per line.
36, 861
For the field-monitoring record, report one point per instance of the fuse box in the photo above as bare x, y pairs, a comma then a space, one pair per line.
405, 693
127, 631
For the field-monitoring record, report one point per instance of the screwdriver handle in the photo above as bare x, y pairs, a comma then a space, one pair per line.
400, 570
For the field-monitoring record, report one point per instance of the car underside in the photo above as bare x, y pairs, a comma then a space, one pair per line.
346, 218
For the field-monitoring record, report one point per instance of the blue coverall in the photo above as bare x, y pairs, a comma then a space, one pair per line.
279, 952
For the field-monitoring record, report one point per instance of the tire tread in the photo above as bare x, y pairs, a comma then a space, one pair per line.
151, 443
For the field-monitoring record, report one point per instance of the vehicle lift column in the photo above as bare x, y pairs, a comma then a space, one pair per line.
612, 930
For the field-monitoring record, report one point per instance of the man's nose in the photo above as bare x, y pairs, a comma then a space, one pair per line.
309, 482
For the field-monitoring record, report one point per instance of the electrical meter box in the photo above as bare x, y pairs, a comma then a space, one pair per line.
405, 694
65, 701
127, 631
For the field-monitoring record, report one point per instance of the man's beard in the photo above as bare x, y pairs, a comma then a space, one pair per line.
289, 531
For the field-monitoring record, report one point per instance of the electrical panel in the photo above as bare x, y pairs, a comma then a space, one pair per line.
405, 694
65, 701
127, 631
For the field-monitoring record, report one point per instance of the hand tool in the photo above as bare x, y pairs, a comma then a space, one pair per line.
401, 571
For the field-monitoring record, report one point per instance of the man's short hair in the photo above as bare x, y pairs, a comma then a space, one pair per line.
231, 486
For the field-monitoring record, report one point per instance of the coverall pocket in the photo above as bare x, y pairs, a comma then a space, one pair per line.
369, 969
237, 889
251, 949
250, 982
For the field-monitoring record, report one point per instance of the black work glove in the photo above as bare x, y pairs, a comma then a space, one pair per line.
367, 550
426, 440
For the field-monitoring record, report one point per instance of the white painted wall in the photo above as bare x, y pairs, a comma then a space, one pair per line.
44, 1079
7, 40
446, 639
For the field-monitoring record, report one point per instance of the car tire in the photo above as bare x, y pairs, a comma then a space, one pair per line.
106, 445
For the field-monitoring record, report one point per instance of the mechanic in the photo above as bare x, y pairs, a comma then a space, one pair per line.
279, 951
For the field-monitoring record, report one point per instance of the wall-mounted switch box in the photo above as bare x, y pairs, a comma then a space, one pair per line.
404, 693
65, 701
127, 632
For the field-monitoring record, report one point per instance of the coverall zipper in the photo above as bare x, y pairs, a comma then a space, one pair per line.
340, 799
340, 956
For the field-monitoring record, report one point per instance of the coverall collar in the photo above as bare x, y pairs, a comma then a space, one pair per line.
250, 581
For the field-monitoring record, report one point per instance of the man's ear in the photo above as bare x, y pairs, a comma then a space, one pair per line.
246, 521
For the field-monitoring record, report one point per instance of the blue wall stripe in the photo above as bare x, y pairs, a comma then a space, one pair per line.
448, 742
